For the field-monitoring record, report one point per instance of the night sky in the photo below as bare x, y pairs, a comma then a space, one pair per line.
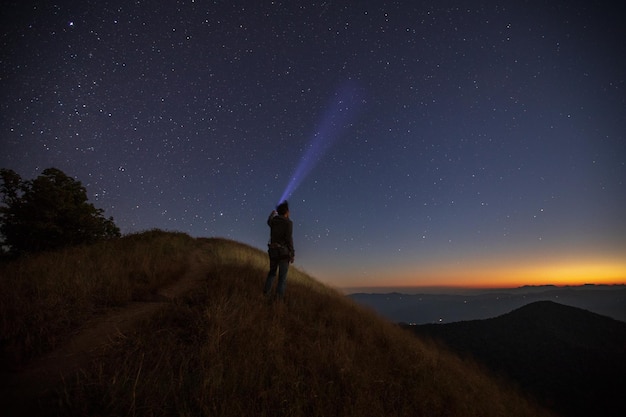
445, 142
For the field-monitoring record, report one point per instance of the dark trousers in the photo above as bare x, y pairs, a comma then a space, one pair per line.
282, 266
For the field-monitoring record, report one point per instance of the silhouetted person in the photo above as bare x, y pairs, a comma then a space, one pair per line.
280, 249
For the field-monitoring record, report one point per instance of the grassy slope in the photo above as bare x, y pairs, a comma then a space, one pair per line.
225, 350
46, 297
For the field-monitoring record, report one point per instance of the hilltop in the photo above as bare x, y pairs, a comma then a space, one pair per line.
138, 342
572, 360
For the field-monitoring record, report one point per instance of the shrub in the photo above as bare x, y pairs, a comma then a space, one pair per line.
49, 212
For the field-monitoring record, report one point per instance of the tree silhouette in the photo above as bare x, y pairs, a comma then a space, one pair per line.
48, 212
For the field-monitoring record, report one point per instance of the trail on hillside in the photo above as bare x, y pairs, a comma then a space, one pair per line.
20, 389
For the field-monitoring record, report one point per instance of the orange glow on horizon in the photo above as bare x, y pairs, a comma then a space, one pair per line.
495, 275
556, 274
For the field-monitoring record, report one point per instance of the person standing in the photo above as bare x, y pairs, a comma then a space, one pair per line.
280, 249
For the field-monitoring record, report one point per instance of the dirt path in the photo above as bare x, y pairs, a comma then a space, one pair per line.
19, 390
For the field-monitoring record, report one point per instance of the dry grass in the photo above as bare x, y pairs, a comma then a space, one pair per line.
47, 296
226, 350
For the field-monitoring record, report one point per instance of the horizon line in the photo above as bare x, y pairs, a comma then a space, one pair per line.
465, 288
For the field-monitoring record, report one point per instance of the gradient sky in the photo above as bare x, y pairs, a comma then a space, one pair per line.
485, 141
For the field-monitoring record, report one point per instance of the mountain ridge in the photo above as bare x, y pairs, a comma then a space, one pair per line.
571, 359
439, 307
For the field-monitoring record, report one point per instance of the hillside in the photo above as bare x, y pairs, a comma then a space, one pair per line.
214, 346
572, 360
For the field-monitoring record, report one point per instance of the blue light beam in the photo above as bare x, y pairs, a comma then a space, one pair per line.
341, 112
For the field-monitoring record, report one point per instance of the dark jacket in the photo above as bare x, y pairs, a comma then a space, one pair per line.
281, 232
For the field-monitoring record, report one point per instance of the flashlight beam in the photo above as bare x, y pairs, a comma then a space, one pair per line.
341, 111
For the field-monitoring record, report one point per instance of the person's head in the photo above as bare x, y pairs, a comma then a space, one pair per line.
283, 208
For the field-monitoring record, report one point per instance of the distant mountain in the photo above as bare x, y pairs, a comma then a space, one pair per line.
569, 359
608, 300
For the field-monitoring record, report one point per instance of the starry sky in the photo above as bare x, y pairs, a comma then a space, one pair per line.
447, 143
